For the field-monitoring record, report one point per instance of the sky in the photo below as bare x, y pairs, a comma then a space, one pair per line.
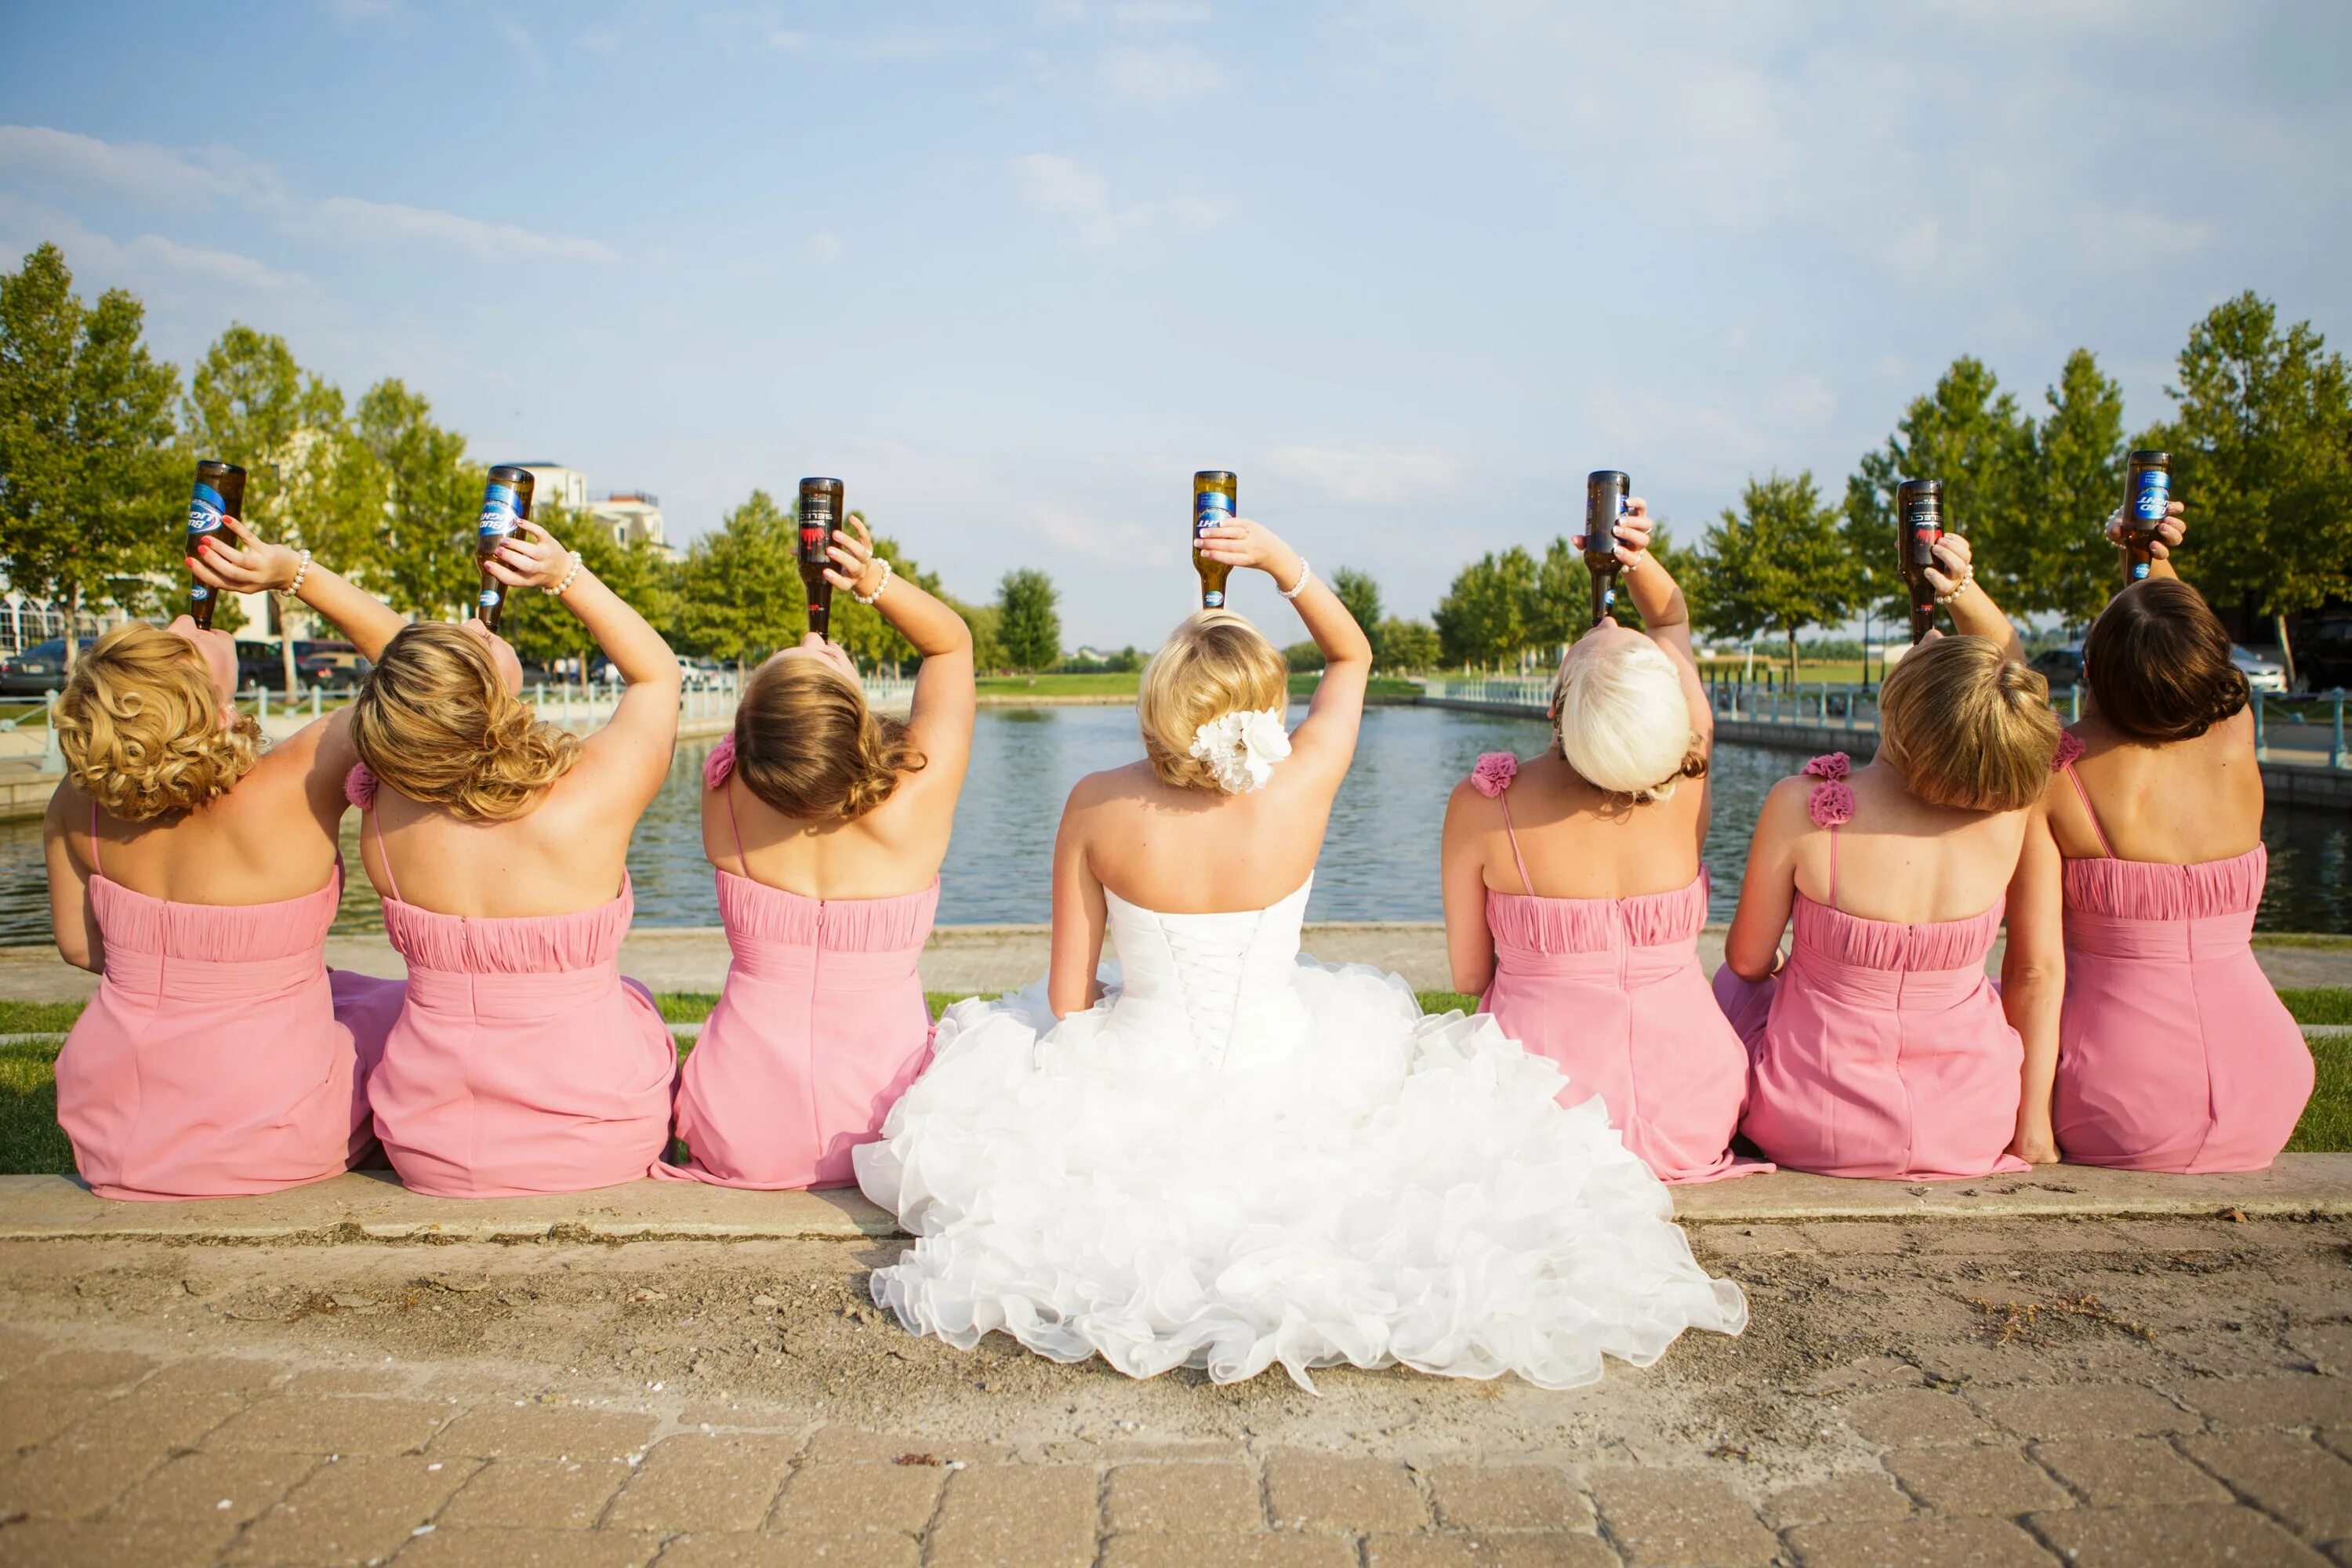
1410, 267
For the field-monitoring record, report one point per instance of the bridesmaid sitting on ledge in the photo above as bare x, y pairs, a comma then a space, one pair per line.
1880, 1049
198, 874
2174, 1053
826, 824
1600, 970
524, 1063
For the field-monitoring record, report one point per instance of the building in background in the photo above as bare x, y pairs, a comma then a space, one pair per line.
632, 515
552, 482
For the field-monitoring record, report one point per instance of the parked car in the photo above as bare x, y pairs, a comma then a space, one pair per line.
40, 668
2062, 667
2262, 674
259, 663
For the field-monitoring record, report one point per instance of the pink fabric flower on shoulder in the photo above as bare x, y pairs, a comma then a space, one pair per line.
360, 787
1833, 799
2070, 747
720, 765
1493, 773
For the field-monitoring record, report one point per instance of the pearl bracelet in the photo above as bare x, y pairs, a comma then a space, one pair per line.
294, 589
565, 586
1306, 575
1957, 588
869, 599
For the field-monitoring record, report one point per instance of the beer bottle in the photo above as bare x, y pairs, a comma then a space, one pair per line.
820, 514
1607, 493
220, 492
506, 501
2148, 496
1918, 524
1213, 506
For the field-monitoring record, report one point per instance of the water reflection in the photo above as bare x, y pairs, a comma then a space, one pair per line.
1380, 862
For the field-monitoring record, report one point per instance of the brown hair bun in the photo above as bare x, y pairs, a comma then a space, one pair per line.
436, 722
807, 744
2157, 663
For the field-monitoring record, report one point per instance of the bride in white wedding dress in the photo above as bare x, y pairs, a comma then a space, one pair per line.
1233, 1156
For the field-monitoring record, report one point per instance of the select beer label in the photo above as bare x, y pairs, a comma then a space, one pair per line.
499, 512
205, 509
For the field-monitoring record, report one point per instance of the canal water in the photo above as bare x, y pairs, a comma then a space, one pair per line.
1379, 863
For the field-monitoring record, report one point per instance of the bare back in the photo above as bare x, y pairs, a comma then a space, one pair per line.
894, 849
1577, 844
1196, 851
1900, 859
2179, 803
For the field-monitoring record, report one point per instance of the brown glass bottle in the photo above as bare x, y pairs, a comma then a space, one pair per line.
1607, 493
1214, 504
820, 513
506, 501
220, 492
2147, 498
1918, 524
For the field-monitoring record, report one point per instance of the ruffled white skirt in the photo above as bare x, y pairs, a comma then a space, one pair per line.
1385, 1187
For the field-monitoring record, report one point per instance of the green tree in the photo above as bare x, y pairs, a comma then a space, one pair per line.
422, 558
1968, 434
1780, 564
1559, 596
987, 648
1028, 626
1410, 645
2261, 439
89, 475
1361, 594
738, 592
860, 628
2078, 476
1482, 617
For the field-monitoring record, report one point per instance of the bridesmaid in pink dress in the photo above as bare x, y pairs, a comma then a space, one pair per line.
2174, 1052
1600, 970
198, 875
1881, 1047
522, 1063
827, 825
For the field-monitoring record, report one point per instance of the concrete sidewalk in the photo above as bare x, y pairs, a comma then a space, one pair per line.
370, 1207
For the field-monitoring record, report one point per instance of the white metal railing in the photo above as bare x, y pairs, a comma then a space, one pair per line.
1499, 691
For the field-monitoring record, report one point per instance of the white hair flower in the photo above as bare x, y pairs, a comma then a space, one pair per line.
1241, 747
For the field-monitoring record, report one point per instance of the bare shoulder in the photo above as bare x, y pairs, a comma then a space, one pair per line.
1788, 805
1098, 791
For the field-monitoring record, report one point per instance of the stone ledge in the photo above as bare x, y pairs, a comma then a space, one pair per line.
368, 1206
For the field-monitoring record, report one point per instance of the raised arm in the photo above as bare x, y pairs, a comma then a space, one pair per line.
1326, 739
254, 565
1079, 912
1973, 612
1665, 614
2168, 535
634, 750
941, 721
2033, 981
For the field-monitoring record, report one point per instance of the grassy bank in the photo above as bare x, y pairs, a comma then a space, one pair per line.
31, 1142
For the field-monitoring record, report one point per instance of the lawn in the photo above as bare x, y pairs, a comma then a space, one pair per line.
31, 1142
1057, 685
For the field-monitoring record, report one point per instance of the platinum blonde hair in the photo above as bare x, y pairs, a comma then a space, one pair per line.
1622, 721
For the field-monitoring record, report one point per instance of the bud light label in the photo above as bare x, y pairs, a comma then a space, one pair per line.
199, 593
489, 599
1212, 599
1212, 509
2151, 496
205, 509
499, 516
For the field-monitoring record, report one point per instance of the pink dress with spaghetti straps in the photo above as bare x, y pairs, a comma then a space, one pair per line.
1880, 1049
820, 1029
1611, 990
523, 1062
221, 1057
2174, 1052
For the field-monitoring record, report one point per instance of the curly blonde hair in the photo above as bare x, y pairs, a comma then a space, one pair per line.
142, 729
1967, 727
435, 722
1215, 663
806, 743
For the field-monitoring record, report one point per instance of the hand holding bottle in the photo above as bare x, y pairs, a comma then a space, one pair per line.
1244, 543
2159, 544
252, 565
530, 557
1633, 528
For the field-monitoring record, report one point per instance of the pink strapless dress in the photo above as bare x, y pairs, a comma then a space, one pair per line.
1880, 1049
220, 1057
2174, 1052
1611, 989
821, 1028
523, 1062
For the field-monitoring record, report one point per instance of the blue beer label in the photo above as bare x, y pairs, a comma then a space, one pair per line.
1212, 599
198, 591
489, 599
2152, 496
1213, 510
205, 509
498, 511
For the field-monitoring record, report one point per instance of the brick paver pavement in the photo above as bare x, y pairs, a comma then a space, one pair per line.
2035, 1393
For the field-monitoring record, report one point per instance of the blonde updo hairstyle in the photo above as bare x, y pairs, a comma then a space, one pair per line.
436, 722
142, 727
1213, 664
1623, 720
1967, 727
807, 744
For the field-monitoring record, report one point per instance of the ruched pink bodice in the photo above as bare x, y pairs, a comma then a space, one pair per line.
524, 1063
821, 1028
1880, 1049
2174, 1052
1612, 991
220, 1056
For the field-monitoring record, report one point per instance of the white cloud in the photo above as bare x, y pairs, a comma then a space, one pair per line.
1366, 477
1050, 183
367, 224
1159, 76
1150, 15
824, 246
149, 261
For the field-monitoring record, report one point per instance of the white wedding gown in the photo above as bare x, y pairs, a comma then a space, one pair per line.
1241, 1157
